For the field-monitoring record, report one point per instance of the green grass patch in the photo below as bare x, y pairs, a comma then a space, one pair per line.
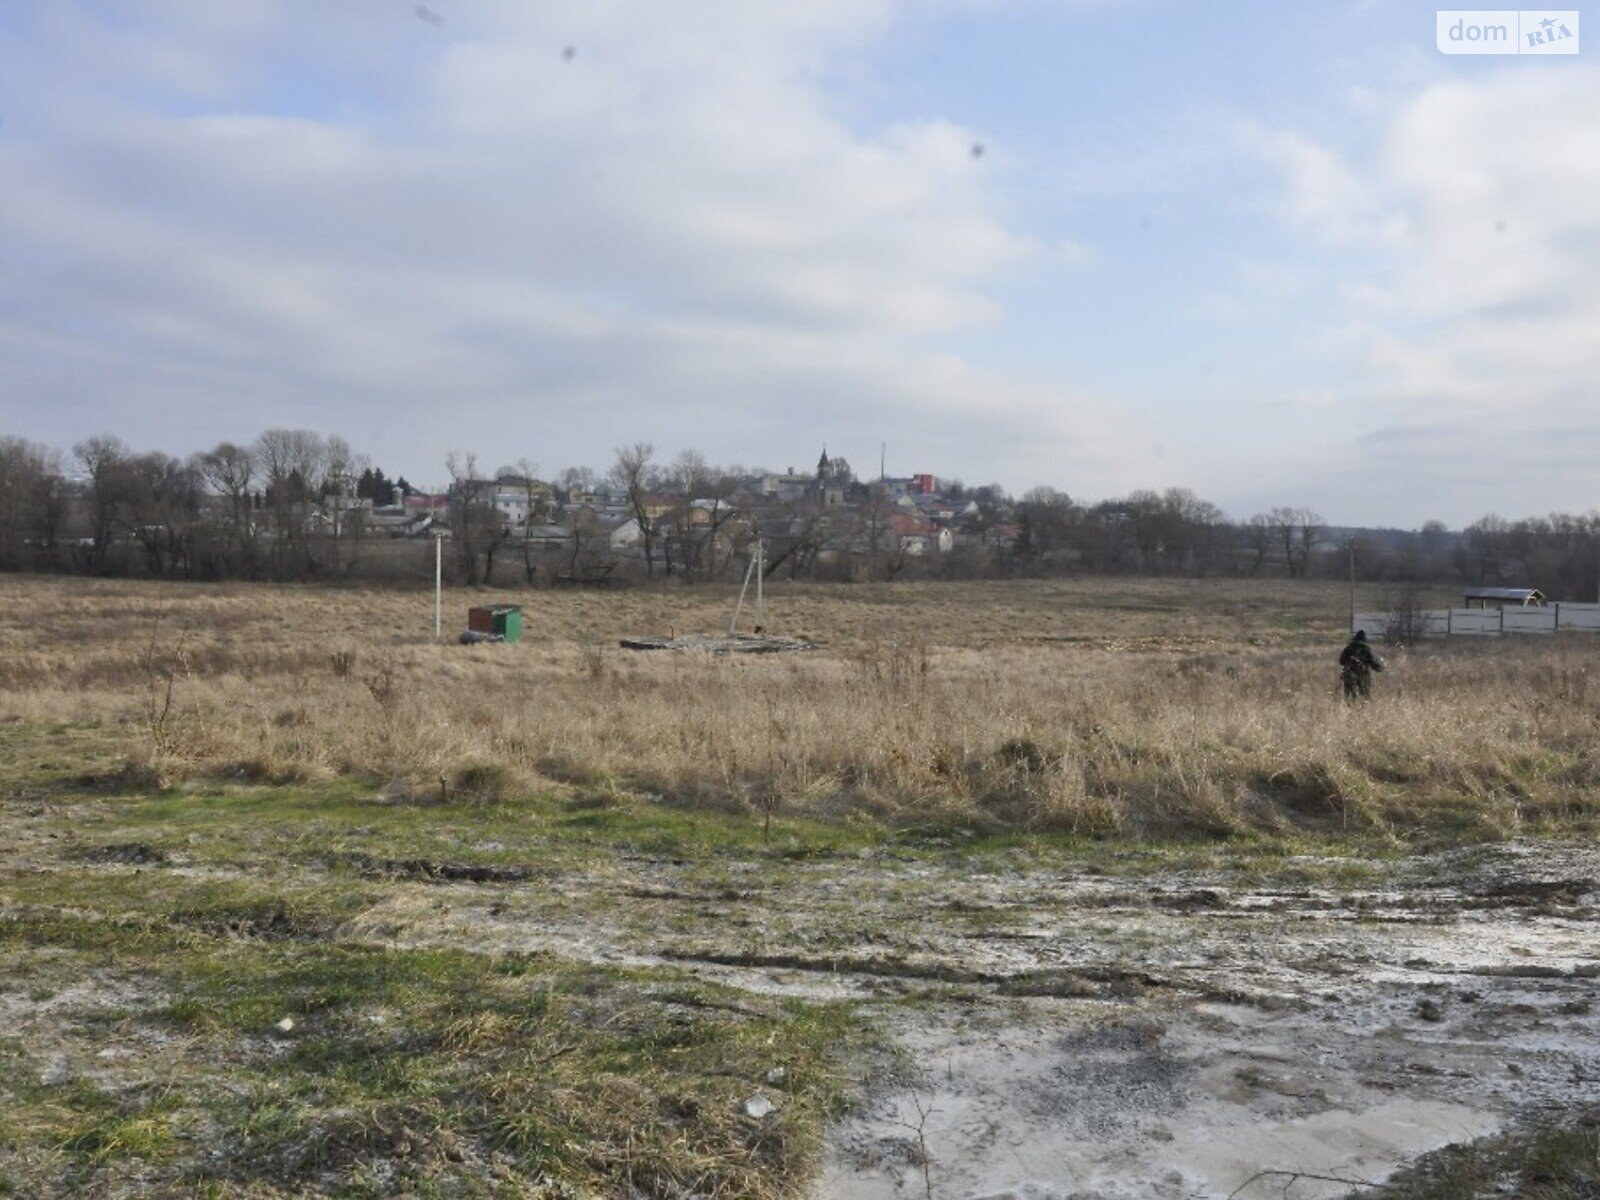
1558, 1159
316, 1063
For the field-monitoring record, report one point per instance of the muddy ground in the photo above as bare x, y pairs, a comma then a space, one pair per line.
1072, 1035
1242, 1030
1088, 1023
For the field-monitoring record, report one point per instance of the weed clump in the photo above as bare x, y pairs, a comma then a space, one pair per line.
1557, 1158
485, 781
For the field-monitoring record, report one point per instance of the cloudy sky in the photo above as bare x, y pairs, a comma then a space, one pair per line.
1279, 253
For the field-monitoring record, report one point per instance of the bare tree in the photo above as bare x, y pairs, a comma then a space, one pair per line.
1047, 518
690, 475
292, 463
801, 543
1195, 528
536, 509
1309, 528
100, 457
576, 479
1149, 523
295, 460
1299, 530
633, 472
158, 504
886, 550
25, 474
693, 538
1486, 551
51, 506
344, 517
475, 524
229, 472
591, 561
1259, 532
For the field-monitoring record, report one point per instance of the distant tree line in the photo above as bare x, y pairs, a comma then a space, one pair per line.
298, 505
269, 509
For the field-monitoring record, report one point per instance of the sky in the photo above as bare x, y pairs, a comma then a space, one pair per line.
1277, 253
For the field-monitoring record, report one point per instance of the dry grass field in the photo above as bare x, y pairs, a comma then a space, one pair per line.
1089, 884
1099, 707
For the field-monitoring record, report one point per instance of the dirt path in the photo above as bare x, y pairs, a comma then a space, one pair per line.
1370, 1027
1070, 1035
1073, 1034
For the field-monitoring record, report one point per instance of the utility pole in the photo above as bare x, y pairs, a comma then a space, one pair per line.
755, 568
438, 584
1352, 546
883, 458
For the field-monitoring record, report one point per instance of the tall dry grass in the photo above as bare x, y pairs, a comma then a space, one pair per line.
1095, 706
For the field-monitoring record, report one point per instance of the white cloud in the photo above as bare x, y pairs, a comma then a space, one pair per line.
574, 228
1324, 195
1476, 326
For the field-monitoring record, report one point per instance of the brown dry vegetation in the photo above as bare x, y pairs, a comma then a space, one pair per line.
1098, 706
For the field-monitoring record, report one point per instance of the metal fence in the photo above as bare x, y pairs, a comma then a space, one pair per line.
1482, 622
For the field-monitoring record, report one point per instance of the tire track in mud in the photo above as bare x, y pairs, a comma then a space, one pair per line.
1082, 982
1034, 933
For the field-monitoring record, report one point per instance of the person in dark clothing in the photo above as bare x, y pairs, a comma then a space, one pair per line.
1357, 662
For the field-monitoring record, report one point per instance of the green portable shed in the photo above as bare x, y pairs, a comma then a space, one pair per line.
503, 619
